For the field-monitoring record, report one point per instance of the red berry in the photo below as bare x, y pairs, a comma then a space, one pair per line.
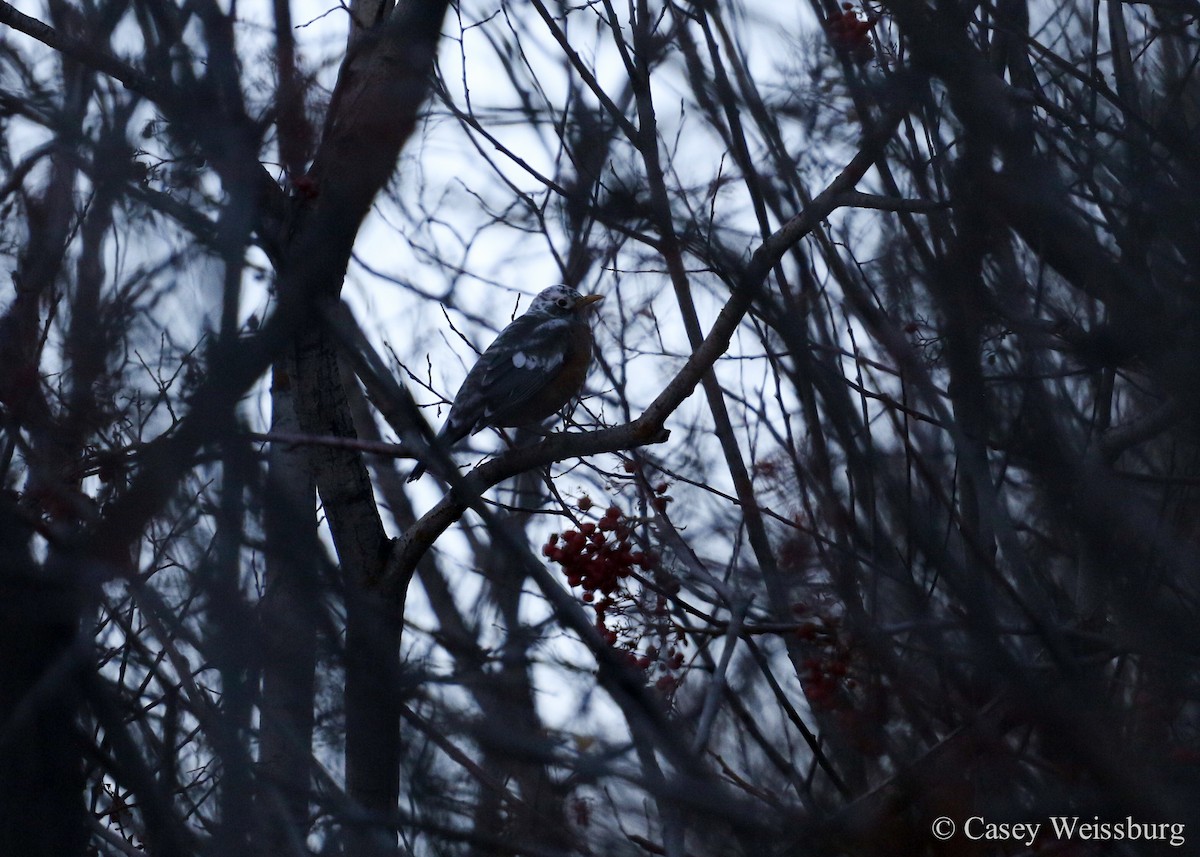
306, 187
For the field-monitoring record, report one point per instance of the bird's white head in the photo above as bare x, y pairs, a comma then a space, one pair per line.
561, 301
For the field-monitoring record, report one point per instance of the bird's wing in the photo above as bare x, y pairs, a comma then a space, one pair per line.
525, 357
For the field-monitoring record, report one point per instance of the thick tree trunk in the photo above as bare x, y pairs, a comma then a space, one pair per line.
372, 624
380, 88
289, 621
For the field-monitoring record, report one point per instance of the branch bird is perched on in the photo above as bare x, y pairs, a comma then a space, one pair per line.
533, 369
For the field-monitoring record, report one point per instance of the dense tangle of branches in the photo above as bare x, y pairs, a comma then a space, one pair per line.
880, 506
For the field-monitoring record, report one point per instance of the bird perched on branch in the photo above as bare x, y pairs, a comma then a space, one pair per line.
533, 369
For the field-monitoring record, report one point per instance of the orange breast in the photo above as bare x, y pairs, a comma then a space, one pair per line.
565, 386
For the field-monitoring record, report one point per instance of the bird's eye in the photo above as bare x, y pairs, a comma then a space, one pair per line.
563, 302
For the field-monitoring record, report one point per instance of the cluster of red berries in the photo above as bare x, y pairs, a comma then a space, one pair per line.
660, 498
597, 556
850, 34
823, 681
625, 638
830, 685
827, 671
600, 558
670, 664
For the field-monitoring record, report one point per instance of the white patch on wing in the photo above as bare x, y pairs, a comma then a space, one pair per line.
532, 362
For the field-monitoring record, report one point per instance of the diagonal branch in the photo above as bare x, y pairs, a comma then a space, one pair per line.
87, 54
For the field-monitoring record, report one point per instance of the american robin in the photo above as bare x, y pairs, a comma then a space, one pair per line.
533, 368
